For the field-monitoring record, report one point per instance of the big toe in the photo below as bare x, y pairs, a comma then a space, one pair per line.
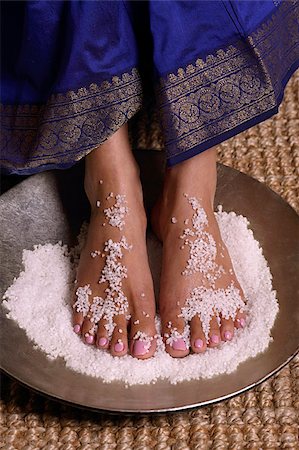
143, 341
174, 335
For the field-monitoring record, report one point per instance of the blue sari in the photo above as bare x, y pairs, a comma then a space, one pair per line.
73, 72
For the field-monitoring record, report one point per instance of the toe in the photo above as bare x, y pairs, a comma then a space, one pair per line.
77, 322
240, 321
172, 331
197, 337
227, 329
87, 332
102, 340
77, 317
119, 339
214, 333
143, 342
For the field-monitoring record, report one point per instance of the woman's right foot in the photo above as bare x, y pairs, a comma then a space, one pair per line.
114, 304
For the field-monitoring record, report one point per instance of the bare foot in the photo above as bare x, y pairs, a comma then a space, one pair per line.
197, 277
114, 305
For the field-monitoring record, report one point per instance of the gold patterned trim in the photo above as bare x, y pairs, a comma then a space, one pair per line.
70, 125
209, 98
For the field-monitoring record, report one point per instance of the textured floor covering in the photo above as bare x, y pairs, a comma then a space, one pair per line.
264, 418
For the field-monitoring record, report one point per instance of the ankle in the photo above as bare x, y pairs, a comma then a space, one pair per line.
196, 176
114, 179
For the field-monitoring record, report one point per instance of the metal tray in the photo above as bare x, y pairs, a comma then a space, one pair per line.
50, 206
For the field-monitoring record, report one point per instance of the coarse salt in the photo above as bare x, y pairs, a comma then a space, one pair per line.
116, 213
42, 309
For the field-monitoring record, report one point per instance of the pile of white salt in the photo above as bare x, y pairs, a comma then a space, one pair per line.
39, 301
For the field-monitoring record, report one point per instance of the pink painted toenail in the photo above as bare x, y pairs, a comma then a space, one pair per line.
179, 344
89, 339
215, 339
198, 343
228, 335
119, 346
242, 322
139, 348
103, 341
77, 328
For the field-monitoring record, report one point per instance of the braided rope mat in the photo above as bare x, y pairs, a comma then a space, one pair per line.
263, 418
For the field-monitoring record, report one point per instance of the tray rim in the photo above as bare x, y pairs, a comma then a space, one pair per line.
169, 409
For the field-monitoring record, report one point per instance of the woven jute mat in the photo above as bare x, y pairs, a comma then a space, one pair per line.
263, 418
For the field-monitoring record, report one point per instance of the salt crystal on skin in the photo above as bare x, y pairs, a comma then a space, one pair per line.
115, 302
82, 302
174, 335
95, 253
205, 302
143, 337
98, 203
25, 302
203, 248
97, 309
174, 220
116, 213
101, 181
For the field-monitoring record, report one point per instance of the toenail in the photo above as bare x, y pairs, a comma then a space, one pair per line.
139, 348
228, 335
198, 343
77, 328
88, 338
119, 346
215, 339
103, 341
242, 322
179, 344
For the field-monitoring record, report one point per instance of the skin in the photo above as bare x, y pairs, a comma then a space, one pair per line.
196, 176
120, 174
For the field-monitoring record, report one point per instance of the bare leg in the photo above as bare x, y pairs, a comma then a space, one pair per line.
197, 177
111, 168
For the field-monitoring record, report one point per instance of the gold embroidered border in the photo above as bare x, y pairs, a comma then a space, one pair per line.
232, 86
199, 102
70, 125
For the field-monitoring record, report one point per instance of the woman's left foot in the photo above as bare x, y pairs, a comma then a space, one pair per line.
197, 278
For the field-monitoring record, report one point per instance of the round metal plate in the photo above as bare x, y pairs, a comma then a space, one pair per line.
51, 206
